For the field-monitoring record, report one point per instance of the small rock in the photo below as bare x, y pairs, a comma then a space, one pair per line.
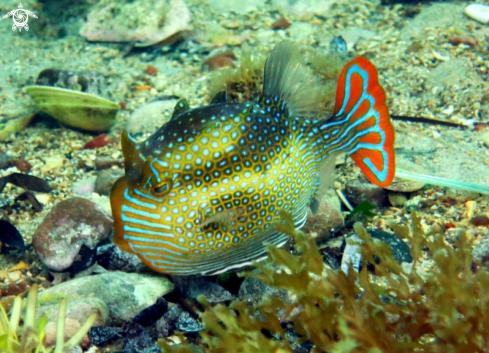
327, 219
105, 179
281, 23
77, 311
102, 334
485, 139
236, 6
193, 286
301, 31
176, 318
125, 294
253, 290
453, 72
478, 12
147, 317
112, 258
70, 224
463, 39
397, 199
304, 7
84, 186
352, 35
151, 116
97, 142
403, 185
358, 191
138, 340
480, 251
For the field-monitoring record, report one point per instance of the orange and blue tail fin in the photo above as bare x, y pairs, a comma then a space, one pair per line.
361, 125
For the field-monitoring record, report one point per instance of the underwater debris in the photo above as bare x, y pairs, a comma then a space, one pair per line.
97, 142
77, 109
27, 182
10, 238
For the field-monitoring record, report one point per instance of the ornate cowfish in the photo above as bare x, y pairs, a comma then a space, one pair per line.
204, 193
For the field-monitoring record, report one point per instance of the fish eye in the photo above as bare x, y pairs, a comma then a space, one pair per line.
161, 189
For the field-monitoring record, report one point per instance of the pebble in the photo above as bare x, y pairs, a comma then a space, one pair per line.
327, 219
403, 185
69, 225
485, 139
281, 23
151, 116
110, 257
105, 179
77, 312
124, 294
304, 7
176, 318
358, 191
478, 12
397, 199
236, 6
193, 286
84, 186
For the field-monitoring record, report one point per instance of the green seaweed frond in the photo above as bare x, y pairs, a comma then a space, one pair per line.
29, 337
398, 309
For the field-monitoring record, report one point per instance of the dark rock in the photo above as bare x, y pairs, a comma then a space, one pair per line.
151, 314
70, 224
110, 257
400, 250
84, 259
193, 286
253, 290
352, 255
101, 334
105, 179
10, 238
177, 318
357, 191
139, 340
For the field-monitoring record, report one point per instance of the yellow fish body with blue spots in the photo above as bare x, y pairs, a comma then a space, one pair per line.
204, 193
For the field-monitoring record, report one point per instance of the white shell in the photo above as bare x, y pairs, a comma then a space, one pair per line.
77, 109
478, 12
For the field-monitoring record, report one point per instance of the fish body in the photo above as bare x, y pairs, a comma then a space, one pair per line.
204, 193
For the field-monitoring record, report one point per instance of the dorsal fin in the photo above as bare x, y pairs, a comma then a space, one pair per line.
131, 151
219, 97
180, 107
290, 83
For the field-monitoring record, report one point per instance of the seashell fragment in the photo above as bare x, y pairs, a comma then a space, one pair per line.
142, 22
77, 109
478, 12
